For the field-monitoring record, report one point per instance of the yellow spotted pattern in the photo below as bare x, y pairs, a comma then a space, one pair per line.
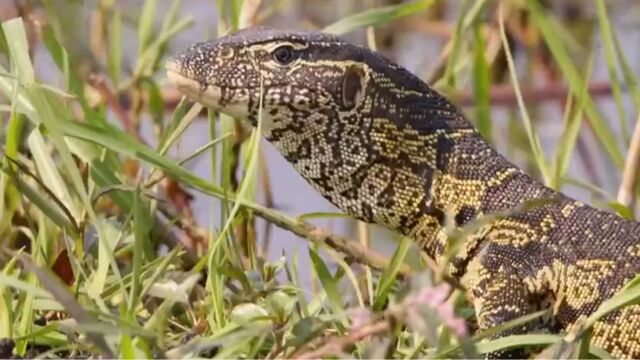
384, 147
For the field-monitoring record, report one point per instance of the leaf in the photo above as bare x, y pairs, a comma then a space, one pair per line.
566, 143
321, 215
599, 352
516, 341
13, 139
622, 210
377, 16
449, 76
534, 140
49, 174
178, 115
181, 127
249, 313
141, 229
181, 292
114, 47
450, 350
606, 32
19, 50
388, 278
481, 84
306, 329
629, 294
509, 325
577, 84
62, 268
628, 74
60, 56
14, 282
41, 199
329, 283
560, 350
145, 25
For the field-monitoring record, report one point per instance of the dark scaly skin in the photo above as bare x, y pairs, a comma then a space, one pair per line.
384, 147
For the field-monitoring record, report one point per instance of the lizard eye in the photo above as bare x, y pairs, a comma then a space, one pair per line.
283, 54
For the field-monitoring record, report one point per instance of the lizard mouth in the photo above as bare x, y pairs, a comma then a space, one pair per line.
204, 93
193, 89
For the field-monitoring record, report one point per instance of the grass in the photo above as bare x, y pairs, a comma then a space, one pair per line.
87, 204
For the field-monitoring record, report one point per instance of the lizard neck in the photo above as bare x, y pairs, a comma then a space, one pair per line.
469, 179
403, 158
403, 177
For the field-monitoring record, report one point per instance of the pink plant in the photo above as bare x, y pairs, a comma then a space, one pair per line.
436, 298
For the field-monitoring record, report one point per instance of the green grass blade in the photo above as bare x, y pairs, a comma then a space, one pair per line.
630, 78
19, 50
41, 200
566, 143
8, 280
49, 174
6, 307
180, 127
578, 86
481, 84
516, 341
321, 215
388, 277
377, 16
629, 294
610, 58
346, 269
43, 110
534, 141
329, 282
145, 25
114, 47
449, 77
215, 282
8, 194
141, 229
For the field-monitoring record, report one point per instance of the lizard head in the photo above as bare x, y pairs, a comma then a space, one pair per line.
296, 73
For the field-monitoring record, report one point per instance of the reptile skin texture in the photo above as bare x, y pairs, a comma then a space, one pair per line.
385, 148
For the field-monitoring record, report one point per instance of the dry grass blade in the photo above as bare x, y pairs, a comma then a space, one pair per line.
629, 184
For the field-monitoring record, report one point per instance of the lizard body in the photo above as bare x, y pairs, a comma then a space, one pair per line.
385, 148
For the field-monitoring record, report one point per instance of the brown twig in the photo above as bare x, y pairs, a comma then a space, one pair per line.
268, 201
335, 345
504, 94
351, 248
626, 192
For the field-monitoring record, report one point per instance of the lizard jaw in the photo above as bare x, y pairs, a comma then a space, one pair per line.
205, 94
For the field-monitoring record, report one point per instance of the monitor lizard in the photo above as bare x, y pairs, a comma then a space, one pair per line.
385, 148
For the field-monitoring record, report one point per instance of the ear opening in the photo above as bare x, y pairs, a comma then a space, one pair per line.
352, 86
